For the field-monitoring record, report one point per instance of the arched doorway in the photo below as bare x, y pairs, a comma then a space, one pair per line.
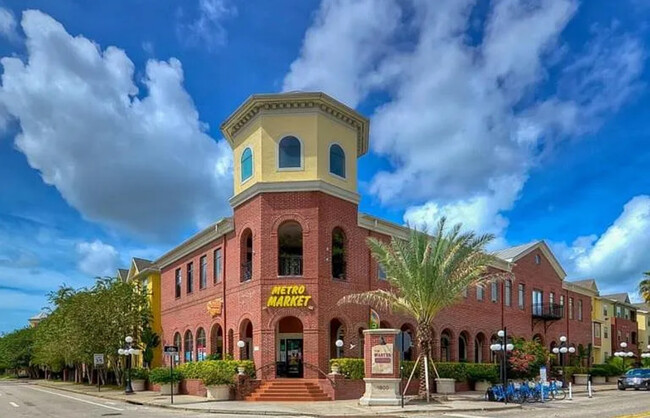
408, 350
445, 346
462, 346
216, 341
479, 346
289, 344
246, 335
337, 332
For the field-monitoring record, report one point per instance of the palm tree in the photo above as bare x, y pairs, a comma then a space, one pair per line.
427, 273
644, 287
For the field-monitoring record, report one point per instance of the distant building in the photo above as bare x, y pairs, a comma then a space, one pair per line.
36, 319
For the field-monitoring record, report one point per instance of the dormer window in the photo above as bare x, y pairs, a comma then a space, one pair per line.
246, 164
289, 153
337, 160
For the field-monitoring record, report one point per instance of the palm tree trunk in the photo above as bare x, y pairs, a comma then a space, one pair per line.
425, 337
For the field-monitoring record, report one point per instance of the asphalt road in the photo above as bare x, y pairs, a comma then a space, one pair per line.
602, 405
25, 400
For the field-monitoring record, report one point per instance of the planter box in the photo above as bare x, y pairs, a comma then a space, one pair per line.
218, 392
580, 379
482, 386
445, 386
598, 379
166, 390
139, 385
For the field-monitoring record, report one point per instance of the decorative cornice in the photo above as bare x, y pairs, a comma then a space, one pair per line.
294, 186
394, 230
292, 102
204, 237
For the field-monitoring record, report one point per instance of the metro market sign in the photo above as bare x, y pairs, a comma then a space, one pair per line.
288, 297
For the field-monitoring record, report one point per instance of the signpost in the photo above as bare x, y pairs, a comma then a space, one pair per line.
171, 351
99, 362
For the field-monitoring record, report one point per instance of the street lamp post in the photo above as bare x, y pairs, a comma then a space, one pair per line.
624, 354
562, 350
502, 346
128, 352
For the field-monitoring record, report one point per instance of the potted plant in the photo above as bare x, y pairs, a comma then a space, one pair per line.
482, 375
218, 381
580, 376
599, 374
139, 379
164, 378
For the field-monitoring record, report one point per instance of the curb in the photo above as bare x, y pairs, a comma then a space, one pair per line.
276, 413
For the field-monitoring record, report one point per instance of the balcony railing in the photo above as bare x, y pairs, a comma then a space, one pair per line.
548, 311
290, 265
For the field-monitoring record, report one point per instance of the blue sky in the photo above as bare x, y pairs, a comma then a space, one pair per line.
525, 119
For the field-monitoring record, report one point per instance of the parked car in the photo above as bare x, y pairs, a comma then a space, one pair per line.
635, 378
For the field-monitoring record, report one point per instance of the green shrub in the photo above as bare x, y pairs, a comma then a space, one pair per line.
139, 374
599, 370
482, 372
457, 371
162, 375
351, 368
215, 370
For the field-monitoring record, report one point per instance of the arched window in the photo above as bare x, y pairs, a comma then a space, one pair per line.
338, 254
246, 164
290, 249
337, 332
200, 345
337, 160
289, 153
179, 344
445, 346
462, 347
247, 255
479, 344
189, 346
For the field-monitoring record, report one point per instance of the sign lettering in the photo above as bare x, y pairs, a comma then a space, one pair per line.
290, 296
99, 359
382, 359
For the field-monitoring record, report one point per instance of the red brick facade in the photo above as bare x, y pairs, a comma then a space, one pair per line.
318, 214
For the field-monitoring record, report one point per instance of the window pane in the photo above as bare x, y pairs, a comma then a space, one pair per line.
190, 277
246, 164
337, 160
203, 273
289, 153
508, 294
178, 283
217, 265
381, 273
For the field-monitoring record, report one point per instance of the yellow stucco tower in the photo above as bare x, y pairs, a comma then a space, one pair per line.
295, 142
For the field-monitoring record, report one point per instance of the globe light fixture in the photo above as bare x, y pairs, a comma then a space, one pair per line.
572, 350
241, 344
128, 351
128, 339
510, 347
339, 343
556, 350
563, 339
121, 352
501, 333
624, 344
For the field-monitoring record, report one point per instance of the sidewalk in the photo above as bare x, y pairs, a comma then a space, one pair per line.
472, 401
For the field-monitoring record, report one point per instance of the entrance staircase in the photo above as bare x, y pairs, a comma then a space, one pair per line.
289, 390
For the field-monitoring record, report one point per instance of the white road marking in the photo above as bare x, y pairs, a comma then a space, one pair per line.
76, 399
14, 404
463, 416
109, 403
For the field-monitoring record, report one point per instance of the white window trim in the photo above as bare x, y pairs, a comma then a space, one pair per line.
329, 165
252, 165
302, 154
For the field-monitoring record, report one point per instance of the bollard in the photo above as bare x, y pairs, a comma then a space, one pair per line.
570, 392
542, 388
589, 388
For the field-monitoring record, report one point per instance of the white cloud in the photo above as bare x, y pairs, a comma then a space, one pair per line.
97, 258
618, 257
139, 161
468, 107
7, 24
206, 30
342, 46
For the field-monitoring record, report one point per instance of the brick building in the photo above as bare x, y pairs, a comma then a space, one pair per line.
270, 275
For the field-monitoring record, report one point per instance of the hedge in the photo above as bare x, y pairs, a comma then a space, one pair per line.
211, 371
162, 375
353, 368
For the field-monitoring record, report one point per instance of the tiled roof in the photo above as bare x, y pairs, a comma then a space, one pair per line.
587, 283
39, 316
510, 253
618, 297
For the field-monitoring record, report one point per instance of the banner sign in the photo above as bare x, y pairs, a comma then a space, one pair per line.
382, 359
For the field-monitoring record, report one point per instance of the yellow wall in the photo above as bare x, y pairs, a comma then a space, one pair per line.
316, 132
605, 349
644, 330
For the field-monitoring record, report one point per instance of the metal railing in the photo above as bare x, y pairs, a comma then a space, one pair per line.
547, 310
290, 265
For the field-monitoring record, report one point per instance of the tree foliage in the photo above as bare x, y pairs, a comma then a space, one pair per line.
15, 349
427, 273
644, 287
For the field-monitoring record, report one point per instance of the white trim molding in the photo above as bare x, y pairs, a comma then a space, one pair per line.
294, 186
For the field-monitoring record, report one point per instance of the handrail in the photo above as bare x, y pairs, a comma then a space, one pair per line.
316, 368
266, 366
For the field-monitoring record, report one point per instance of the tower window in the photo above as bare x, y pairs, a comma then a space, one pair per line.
290, 154
290, 249
246, 164
337, 160
338, 254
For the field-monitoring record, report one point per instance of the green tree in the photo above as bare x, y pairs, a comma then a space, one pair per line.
644, 287
16, 350
427, 273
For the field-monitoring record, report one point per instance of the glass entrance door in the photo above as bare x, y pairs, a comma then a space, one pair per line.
290, 364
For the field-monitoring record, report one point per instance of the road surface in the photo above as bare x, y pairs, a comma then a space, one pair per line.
25, 400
